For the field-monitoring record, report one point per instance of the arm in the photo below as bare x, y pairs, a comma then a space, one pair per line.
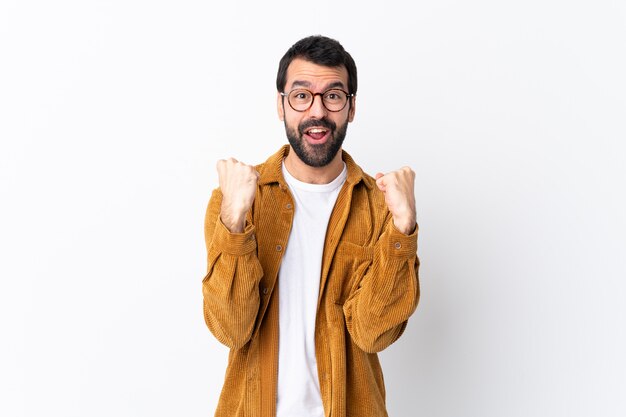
231, 286
377, 311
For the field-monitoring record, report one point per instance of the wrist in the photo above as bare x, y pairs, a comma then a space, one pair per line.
405, 225
234, 223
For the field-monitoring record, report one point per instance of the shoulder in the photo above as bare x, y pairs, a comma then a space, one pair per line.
360, 178
365, 192
271, 170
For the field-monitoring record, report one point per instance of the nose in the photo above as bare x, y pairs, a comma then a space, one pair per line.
317, 109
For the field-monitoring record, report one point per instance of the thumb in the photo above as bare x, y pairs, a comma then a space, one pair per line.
380, 182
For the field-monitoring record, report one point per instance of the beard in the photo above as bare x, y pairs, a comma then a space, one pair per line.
318, 155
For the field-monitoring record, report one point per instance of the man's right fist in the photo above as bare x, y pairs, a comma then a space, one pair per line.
238, 183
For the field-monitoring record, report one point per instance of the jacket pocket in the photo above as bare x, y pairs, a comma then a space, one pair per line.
350, 265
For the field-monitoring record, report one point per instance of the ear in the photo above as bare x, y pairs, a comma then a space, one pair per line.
280, 107
352, 108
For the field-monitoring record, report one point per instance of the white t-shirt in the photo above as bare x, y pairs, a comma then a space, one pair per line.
298, 391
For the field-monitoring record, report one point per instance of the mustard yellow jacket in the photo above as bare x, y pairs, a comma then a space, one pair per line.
368, 289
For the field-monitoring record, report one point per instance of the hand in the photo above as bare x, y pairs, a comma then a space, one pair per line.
398, 187
238, 183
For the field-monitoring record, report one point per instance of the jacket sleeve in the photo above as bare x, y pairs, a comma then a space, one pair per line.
379, 307
231, 286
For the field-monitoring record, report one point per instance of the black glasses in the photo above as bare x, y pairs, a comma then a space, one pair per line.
333, 100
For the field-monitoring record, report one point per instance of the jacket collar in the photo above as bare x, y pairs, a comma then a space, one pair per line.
271, 171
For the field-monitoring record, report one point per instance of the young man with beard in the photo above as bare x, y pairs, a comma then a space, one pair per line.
312, 264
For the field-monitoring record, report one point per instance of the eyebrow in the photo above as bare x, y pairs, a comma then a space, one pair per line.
298, 83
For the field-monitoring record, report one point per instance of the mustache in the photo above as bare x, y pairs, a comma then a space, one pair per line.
324, 122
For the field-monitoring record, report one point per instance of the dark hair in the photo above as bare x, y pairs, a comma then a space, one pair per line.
319, 50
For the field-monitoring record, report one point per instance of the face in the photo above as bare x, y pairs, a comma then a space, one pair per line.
315, 135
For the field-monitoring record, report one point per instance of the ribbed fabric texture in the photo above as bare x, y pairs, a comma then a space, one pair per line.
368, 289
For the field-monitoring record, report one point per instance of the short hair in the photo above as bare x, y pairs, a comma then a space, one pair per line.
319, 50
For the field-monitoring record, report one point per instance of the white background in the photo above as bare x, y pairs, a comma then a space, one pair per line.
113, 114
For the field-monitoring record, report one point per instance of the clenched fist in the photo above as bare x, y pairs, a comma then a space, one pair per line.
398, 187
238, 183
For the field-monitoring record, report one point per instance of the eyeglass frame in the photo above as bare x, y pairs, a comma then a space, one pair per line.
348, 97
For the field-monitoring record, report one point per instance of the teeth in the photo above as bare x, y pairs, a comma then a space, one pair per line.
317, 131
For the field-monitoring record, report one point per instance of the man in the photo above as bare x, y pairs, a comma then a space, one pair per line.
312, 264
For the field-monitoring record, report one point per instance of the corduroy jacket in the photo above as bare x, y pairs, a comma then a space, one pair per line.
368, 289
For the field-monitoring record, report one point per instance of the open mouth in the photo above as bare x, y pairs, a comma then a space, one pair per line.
317, 133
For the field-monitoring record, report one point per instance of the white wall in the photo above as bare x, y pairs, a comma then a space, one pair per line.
113, 113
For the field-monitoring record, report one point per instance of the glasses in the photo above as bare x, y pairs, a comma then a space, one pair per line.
302, 99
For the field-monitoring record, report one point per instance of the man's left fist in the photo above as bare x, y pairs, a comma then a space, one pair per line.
399, 190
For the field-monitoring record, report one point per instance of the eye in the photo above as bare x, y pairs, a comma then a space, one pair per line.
300, 95
334, 95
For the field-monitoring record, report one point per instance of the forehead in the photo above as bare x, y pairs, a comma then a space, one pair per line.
307, 74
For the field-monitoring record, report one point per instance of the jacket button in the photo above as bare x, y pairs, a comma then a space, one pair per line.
398, 245
288, 206
265, 290
279, 248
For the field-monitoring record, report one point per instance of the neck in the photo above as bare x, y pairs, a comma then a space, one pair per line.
313, 175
